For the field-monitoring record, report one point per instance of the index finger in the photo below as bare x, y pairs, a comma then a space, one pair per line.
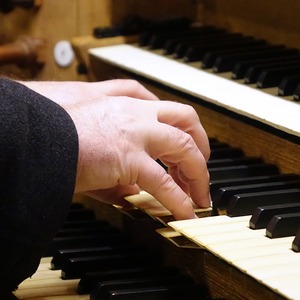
156, 181
175, 148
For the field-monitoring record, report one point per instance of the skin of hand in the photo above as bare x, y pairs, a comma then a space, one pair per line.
68, 93
121, 136
120, 139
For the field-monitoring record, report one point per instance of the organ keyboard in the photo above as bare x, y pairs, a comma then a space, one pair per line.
221, 252
247, 116
229, 239
270, 261
222, 103
108, 267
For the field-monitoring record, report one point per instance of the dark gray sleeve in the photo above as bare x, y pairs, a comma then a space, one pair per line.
38, 163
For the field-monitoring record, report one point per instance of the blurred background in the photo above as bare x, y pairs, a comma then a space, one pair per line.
30, 30
39, 25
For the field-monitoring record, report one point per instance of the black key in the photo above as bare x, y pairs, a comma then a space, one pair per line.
226, 63
194, 34
211, 58
242, 171
225, 162
215, 185
296, 94
272, 77
240, 68
226, 152
61, 256
68, 232
174, 43
135, 25
80, 214
245, 204
254, 72
76, 205
263, 214
158, 41
189, 291
154, 293
215, 144
288, 85
182, 49
296, 242
146, 36
102, 288
163, 26
76, 267
283, 225
88, 280
198, 52
211, 40
106, 289
86, 241
224, 195
197, 31
85, 223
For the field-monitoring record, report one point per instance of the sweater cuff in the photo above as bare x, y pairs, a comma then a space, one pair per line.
38, 166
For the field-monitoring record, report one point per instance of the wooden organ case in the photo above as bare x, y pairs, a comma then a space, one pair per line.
267, 127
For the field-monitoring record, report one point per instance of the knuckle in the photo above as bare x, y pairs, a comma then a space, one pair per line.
164, 180
129, 85
187, 142
134, 84
191, 113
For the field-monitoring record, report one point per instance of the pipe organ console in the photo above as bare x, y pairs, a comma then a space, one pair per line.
246, 91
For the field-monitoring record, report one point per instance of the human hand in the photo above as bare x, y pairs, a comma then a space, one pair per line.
119, 140
69, 93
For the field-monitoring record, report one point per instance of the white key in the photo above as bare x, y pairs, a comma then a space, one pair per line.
249, 250
267, 260
277, 269
288, 286
217, 228
224, 237
153, 207
181, 225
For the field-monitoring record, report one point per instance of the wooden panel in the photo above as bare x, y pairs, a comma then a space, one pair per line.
64, 20
154, 9
54, 21
82, 44
91, 14
276, 21
51, 22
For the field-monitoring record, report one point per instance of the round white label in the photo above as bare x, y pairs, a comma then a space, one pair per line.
63, 54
